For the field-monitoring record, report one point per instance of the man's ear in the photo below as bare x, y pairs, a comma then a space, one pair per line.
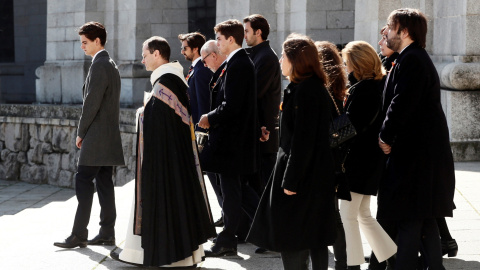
196, 50
258, 33
404, 34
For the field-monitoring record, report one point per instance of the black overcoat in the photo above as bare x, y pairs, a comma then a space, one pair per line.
304, 165
364, 162
234, 132
267, 69
419, 179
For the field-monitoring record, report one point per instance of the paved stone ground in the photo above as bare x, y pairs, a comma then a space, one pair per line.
32, 217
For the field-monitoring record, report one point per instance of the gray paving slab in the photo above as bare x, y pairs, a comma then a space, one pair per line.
32, 217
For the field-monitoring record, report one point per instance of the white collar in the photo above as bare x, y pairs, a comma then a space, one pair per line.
173, 67
194, 62
232, 53
97, 54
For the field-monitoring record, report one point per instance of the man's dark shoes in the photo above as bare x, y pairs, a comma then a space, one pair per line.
217, 251
102, 240
116, 257
71, 242
219, 222
260, 250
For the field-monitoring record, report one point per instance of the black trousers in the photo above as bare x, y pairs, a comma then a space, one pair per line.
237, 197
299, 260
414, 235
84, 189
340, 245
215, 182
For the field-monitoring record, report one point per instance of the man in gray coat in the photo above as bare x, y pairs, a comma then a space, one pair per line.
98, 138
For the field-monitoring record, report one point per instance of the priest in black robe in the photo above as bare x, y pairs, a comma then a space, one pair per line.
171, 217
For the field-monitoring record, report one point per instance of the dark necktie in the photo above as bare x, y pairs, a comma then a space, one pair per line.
189, 70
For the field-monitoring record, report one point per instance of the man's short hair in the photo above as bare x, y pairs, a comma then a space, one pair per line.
94, 30
411, 19
210, 47
257, 21
231, 28
194, 40
158, 43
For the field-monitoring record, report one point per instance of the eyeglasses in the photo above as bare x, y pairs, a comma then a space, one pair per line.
203, 60
184, 48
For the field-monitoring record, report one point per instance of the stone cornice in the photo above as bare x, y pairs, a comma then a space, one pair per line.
461, 75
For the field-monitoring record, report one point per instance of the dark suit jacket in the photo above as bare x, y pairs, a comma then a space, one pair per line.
419, 180
267, 69
199, 92
234, 131
99, 123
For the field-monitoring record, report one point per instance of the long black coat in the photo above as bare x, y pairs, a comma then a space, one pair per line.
364, 163
304, 165
267, 69
420, 179
234, 132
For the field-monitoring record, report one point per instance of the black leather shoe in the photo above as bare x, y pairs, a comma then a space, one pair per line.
217, 251
102, 240
116, 257
260, 250
71, 242
219, 222
449, 247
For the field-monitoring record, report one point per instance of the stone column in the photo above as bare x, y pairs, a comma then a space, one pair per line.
452, 41
331, 20
128, 24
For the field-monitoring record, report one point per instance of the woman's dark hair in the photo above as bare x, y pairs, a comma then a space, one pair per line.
411, 19
93, 30
303, 55
333, 68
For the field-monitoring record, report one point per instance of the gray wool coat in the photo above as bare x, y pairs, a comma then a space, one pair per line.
99, 123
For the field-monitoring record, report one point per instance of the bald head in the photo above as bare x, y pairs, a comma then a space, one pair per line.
211, 56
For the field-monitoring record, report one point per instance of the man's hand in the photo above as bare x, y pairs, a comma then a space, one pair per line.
265, 135
78, 142
288, 192
385, 147
203, 123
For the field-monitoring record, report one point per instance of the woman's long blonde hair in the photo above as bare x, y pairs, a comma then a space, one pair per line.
363, 60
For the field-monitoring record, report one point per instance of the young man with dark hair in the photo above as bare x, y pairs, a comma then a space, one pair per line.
233, 135
267, 70
198, 75
98, 138
419, 181
170, 217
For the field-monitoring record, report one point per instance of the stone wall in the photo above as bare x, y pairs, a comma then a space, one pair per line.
37, 144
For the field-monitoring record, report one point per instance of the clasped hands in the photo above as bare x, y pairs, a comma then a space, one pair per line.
203, 123
385, 147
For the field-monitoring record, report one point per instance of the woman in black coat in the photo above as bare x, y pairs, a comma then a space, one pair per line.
364, 163
296, 214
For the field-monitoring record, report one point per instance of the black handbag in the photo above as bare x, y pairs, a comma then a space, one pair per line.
341, 129
341, 132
